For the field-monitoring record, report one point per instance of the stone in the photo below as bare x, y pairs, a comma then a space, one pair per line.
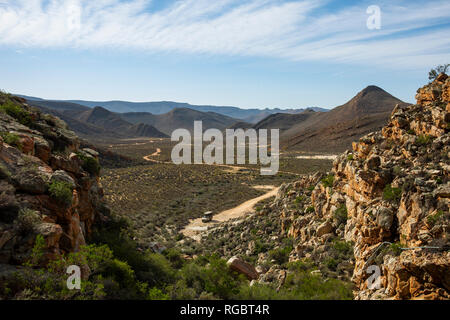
51, 232
240, 266
385, 218
373, 163
62, 176
324, 228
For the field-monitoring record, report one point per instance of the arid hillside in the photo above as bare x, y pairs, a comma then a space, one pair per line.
384, 206
334, 131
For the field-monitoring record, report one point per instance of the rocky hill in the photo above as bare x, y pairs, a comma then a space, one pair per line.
180, 118
385, 204
390, 197
48, 185
334, 131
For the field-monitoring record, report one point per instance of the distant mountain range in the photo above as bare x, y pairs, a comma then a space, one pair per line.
162, 107
334, 131
312, 129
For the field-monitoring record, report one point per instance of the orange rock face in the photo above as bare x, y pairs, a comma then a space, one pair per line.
390, 198
26, 174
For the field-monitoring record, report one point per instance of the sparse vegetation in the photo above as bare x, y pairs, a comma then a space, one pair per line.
17, 112
432, 75
62, 192
310, 209
341, 214
90, 164
328, 181
423, 140
11, 139
433, 219
27, 220
392, 193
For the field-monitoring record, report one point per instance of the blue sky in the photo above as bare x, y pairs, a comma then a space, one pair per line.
246, 53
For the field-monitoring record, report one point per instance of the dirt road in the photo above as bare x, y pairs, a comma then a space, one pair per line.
154, 154
196, 227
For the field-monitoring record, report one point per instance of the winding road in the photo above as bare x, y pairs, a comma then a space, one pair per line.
196, 227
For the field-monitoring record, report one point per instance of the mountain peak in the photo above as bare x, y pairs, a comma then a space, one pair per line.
100, 111
371, 89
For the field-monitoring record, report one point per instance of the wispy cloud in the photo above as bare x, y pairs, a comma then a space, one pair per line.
411, 35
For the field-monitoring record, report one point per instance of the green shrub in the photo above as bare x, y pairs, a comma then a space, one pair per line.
175, 258
89, 164
280, 255
37, 253
310, 209
62, 192
11, 139
17, 112
423, 139
350, 157
432, 219
205, 276
27, 220
397, 170
340, 214
331, 263
157, 294
299, 285
392, 194
260, 247
396, 248
342, 247
328, 181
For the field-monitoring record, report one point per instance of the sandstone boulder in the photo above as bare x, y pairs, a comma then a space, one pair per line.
240, 266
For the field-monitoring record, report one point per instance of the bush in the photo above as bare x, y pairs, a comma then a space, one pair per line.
331, 263
328, 181
109, 278
11, 139
62, 192
89, 164
396, 248
433, 219
350, 157
341, 214
205, 276
423, 140
343, 247
299, 285
17, 112
392, 194
260, 247
280, 255
310, 209
27, 221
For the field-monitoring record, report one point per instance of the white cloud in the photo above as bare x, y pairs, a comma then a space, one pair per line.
294, 30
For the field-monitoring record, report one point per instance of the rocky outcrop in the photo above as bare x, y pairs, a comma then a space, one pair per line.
389, 196
48, 185
242, 267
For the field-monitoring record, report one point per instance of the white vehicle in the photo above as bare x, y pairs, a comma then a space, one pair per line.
207, 217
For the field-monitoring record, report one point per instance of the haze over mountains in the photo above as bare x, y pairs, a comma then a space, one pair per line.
161, 107
312, 129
